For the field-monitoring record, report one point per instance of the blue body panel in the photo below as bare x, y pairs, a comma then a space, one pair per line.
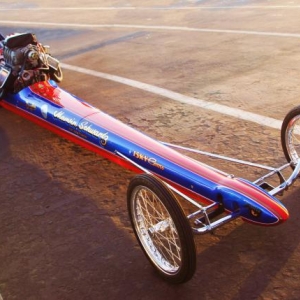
57, 108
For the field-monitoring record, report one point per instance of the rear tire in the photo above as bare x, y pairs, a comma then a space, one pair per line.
161, 228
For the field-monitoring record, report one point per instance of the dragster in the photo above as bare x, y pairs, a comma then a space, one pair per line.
29, 87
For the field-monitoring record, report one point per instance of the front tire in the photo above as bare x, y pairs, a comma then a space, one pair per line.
290, 135
161, 228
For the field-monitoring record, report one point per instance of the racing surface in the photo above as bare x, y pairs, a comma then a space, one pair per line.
65, 232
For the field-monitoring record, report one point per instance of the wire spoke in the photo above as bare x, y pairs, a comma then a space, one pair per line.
158, 231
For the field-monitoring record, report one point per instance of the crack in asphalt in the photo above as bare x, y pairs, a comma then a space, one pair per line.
103, 44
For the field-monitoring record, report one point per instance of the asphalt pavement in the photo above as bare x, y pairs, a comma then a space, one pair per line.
65, 231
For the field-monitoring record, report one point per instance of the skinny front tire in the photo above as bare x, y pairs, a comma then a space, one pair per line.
290, 135
161, 228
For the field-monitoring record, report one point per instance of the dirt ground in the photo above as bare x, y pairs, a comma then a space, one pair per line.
65, 232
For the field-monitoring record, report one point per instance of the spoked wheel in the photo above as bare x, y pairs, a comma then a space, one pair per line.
161, 228
290, 135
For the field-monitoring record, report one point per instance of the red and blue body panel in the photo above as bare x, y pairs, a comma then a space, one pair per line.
57, 110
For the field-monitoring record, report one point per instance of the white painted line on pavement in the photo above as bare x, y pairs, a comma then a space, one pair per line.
226, 110
234, 112
153, 8
170, 28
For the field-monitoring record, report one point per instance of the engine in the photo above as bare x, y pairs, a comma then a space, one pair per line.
25, 61
29, 56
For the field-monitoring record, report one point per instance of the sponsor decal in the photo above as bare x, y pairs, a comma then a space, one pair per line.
88, 127
60, 115
150, 160
84, 127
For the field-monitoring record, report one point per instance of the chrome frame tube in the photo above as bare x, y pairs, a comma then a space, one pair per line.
218, 223
168, 185
243, 162
202, 210
283, 186
271, 173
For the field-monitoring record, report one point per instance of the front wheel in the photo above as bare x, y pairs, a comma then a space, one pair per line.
290, 135
161, 228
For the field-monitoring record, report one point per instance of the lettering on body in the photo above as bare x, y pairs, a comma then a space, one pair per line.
150, 160
84, 126
88, 127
